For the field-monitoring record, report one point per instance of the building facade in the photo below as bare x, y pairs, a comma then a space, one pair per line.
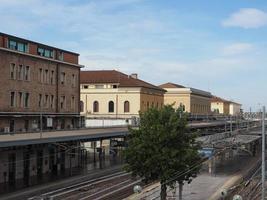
39, 86
112, 94
192, 100
235, 108
220, 105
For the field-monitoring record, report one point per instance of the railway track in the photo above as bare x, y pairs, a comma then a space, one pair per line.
115, 186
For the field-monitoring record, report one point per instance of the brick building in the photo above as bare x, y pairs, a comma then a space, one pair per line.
39, 86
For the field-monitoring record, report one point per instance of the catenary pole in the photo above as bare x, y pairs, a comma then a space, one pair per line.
263, 154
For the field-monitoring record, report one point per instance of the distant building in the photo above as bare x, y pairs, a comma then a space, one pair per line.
235, 108
115, 95
192, 100
37, 82
220, 105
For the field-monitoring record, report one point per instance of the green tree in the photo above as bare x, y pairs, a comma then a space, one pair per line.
162, 149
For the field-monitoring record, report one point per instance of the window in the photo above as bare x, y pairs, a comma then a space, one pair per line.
52, 77
46, 76
126, 106
12, 99
20, 72
46, 100
52, 101
13, 71
85, 87
18, 46
61, 56
20, 99
62, 102
147, 105
26, 100
111, 106
45, 52
27, 73
114, 86
73, 80
62, 78
72, 102
99, 86
95, 106
40, 100
40, 75
81, 106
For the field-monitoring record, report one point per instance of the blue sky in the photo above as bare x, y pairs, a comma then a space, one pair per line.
212, 45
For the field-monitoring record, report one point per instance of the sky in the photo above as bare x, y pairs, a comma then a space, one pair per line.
214, 45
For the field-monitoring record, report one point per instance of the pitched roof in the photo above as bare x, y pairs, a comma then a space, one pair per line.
171, 85
113, 76
216, 99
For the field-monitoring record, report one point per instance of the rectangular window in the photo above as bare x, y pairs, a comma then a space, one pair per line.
12, 99
62, 78
18, 46
45, 52
73, 80
40, 75
62, 102
27, 73
26, 99
20, 72
61, 56
46, 100
85, 87
99, 86
52, 77
20, 99
72, 102
13, 71
52, 101
46, 76
40, 100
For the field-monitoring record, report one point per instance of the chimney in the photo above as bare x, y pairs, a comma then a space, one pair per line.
134, 75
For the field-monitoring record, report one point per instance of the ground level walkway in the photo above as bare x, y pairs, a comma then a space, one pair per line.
207, 186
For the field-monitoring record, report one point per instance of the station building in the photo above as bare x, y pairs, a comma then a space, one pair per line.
110, 94
193, 101
39, 86
225, 107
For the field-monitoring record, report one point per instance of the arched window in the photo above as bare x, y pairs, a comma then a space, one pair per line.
96, 106
111, 106
126, 106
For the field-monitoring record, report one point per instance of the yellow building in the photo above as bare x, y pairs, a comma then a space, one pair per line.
112, 94
220, 105
192, 100
225, 107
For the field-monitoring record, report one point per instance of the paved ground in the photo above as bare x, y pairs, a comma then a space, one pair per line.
206, 186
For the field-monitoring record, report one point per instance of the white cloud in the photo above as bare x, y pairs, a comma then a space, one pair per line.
237, 49
246, 18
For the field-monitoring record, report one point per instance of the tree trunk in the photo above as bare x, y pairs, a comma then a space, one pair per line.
180, 191
163, 192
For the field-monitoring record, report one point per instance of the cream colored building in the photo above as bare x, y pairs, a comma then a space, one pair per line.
192, 100
235, 108
112, 94
220, 106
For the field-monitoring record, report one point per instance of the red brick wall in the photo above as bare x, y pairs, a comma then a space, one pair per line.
32, 48
34, 87
1, 41
71, 58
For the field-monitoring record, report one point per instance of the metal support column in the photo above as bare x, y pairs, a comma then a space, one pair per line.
263, 154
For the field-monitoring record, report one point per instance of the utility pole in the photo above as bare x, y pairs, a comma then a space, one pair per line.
263, 155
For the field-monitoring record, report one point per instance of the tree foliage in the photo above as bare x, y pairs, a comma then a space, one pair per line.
162, 147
